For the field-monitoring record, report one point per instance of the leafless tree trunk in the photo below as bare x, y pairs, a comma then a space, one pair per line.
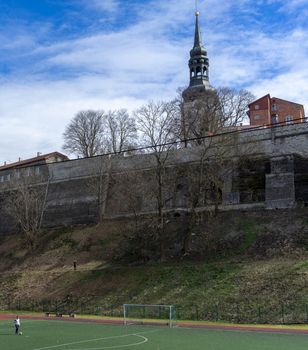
156, 122
26, 204
205, 184
98, 184
133, 191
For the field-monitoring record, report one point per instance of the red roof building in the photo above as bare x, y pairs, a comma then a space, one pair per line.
40, 159
269, 110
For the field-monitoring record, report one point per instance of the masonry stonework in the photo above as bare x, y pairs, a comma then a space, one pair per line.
274, 176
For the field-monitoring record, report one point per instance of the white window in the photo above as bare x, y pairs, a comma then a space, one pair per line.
1, 178
257, 107
37, 171
17, 174
274, 107
275, 119
289, 119
257, 117
8, 177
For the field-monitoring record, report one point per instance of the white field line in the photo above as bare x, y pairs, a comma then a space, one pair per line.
11, 330
11, 327
144, 340
92, 340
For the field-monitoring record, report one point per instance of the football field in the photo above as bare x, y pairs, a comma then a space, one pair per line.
65, 335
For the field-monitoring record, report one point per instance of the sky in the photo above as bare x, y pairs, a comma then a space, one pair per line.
58, 57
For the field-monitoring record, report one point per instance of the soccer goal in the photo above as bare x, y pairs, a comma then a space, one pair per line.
149, 314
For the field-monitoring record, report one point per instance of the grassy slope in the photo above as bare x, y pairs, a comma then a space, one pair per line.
258, 271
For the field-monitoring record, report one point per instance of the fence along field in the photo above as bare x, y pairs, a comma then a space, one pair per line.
286, 313
65, 335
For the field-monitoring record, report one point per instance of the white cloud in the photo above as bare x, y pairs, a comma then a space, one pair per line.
33, 117
290, 86
290, 5
102, 5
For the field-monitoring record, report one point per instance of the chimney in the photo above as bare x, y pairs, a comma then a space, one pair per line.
4, 163
38, 154
19, 159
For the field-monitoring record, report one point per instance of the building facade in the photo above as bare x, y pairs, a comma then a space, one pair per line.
269, 110
29, 167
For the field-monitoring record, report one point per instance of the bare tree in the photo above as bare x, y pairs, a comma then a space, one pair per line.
156, 123
218, 156
98, 185
205, 181
84, 134
212, 112
26, 203
208, 119
121, 131
94, 132
131, 191
233, 105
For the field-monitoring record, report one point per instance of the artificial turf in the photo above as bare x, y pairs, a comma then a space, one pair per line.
64, 335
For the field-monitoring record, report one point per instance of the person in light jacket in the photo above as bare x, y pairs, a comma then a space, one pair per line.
17, 324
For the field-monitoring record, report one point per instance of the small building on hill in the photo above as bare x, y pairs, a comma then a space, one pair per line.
32, 166
269, 110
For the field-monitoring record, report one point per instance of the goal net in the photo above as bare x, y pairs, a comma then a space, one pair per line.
149, 314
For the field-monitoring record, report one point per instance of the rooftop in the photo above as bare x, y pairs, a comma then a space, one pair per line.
30, 161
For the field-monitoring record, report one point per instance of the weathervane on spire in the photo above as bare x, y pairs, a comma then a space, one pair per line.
196, 8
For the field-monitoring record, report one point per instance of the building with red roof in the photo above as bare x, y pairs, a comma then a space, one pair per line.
269, 110
31, 166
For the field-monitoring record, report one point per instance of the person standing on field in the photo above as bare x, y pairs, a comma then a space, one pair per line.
17, 324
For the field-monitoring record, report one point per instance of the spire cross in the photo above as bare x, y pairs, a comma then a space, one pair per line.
198, 40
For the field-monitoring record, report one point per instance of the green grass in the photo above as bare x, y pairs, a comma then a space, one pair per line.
63, 335
250, 235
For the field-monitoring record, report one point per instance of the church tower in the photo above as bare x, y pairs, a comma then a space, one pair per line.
198, 68
200, 99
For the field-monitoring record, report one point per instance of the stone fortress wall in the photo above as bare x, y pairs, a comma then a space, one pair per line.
275, 176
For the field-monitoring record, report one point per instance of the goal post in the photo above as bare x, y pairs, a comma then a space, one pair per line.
149, 314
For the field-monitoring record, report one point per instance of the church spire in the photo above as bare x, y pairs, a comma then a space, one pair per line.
199, 93
198, 65
198, 39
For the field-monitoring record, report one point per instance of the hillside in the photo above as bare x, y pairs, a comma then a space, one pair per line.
244, 267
